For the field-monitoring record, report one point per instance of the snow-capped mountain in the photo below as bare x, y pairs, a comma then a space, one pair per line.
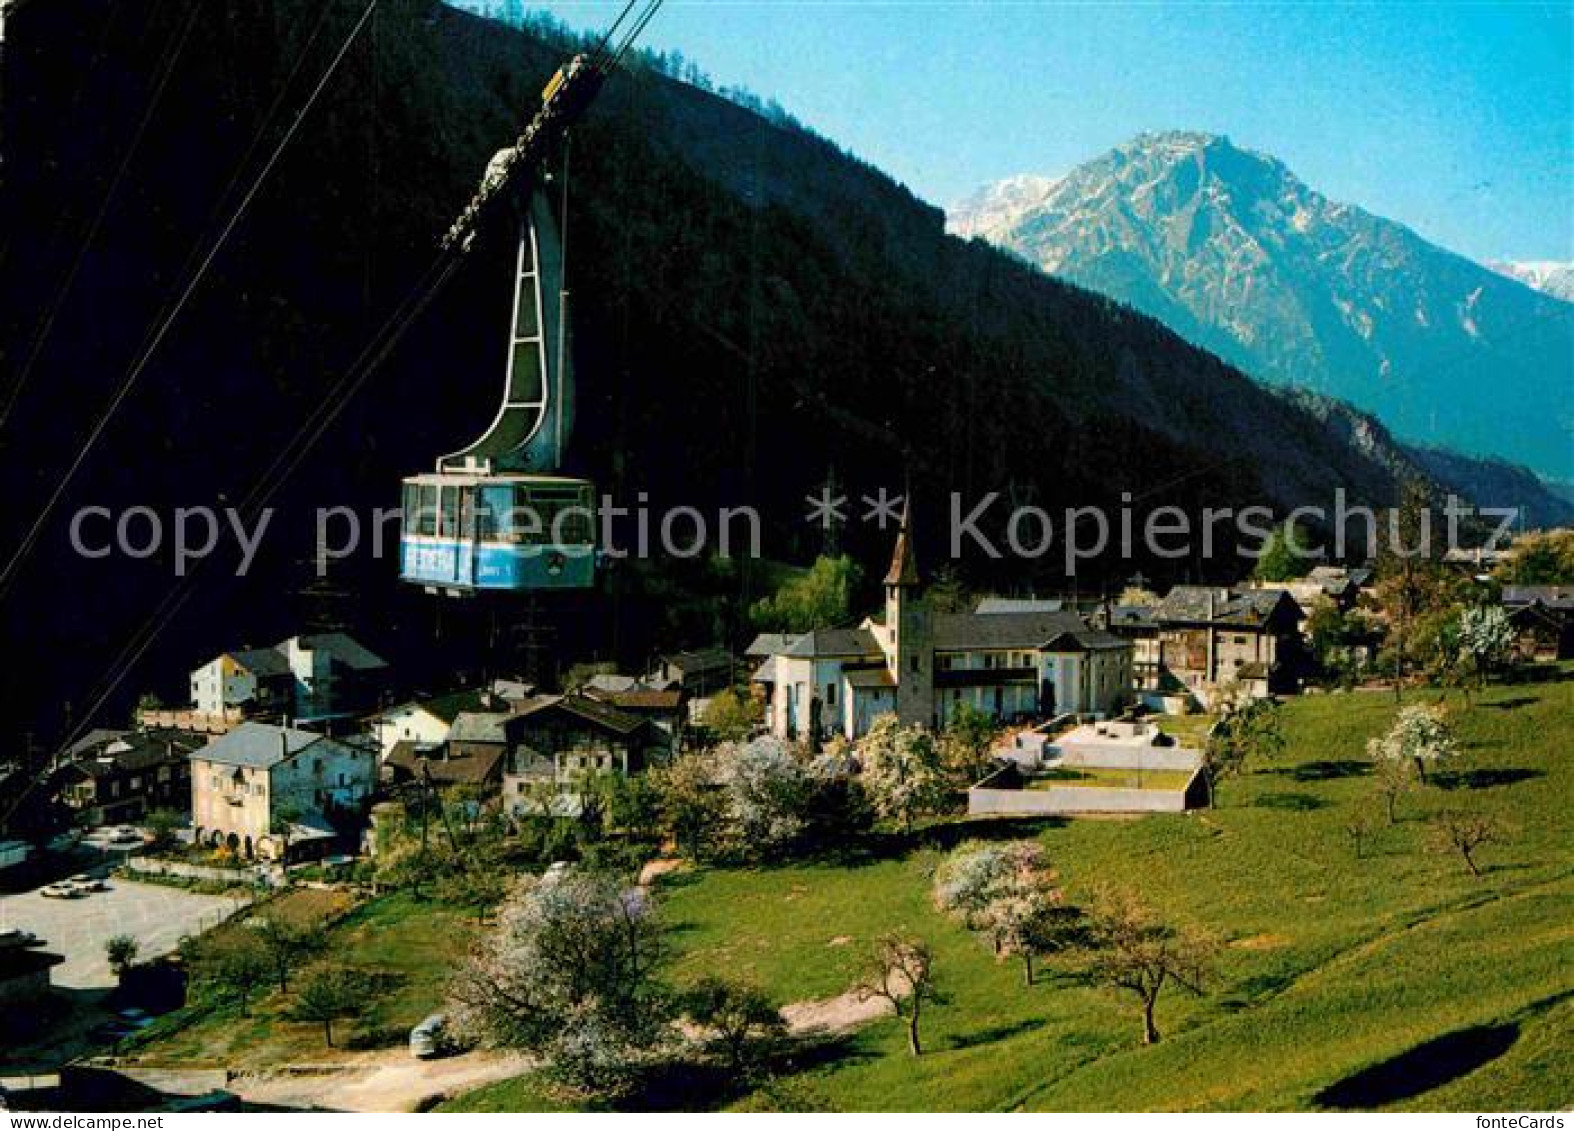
993, 209
1546, 275
1228, 247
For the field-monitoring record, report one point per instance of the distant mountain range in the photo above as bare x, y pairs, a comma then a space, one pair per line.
1547, 276
1230, 249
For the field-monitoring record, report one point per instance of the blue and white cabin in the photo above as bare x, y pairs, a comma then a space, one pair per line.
494, 517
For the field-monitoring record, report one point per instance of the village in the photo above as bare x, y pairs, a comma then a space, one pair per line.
523, 786
306, 775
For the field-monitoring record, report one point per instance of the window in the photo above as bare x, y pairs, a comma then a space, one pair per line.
830, 695
913, 665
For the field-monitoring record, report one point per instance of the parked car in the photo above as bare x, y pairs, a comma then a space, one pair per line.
125, 834
430, 1038
88, 883
65, 890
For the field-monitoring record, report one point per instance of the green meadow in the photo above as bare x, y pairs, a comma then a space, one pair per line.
1392, 979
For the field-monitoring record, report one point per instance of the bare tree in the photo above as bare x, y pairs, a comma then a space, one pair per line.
327, 994
1393, 778
1130, 949
1465, 832
1360, 828
287, 944
901, 970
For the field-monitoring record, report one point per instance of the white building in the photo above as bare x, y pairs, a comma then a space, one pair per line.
325, 675
426, 722
923, 667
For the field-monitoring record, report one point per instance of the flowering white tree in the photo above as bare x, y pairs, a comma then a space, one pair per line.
902, 772
1009, 892
1485, 639
1421, 736
567, 975
768, 792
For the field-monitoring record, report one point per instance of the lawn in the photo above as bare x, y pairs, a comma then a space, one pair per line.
1393, 980
415, 941
1107, 778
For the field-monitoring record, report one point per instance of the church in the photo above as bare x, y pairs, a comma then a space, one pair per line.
1032, 661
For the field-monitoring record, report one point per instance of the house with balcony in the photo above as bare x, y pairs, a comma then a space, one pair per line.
275, 792
559, 742
119, 777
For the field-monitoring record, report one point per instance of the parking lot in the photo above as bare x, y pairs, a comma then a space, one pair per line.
155, 915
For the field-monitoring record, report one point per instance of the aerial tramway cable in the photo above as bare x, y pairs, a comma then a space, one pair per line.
8, 575
372, 355
52, 312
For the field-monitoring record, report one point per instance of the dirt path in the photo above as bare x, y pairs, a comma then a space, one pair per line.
389, 1080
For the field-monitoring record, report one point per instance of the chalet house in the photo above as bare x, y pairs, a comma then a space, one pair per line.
1136, 624
1340, 585
306, 678
1543, 620
923, 667
270, 791
1209, 637
118, 777
480, 734
443, 766
558, 742
664, 710
698, 674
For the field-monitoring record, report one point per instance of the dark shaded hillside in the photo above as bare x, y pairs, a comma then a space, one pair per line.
751, 308
1496, 483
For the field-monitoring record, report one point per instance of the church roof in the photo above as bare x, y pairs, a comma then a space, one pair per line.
960, 631
828, 642
904, 566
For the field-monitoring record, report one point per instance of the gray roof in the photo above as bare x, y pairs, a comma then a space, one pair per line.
1203, 604
703, 660
1131, 616
258, 746
766, 672
1552, 596
98, 736
479, 726
961, 631
830, 642
771, 644
138, 750
342, 647
990, 605
607, 681
1335, 578
261, 661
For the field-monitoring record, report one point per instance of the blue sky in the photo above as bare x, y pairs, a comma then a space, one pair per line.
1456, 119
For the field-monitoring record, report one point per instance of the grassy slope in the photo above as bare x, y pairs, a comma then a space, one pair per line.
414, 940
1334, 965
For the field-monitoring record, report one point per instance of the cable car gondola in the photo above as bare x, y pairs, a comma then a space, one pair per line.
494, 516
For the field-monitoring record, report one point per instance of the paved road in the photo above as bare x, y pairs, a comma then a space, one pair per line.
155, 915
